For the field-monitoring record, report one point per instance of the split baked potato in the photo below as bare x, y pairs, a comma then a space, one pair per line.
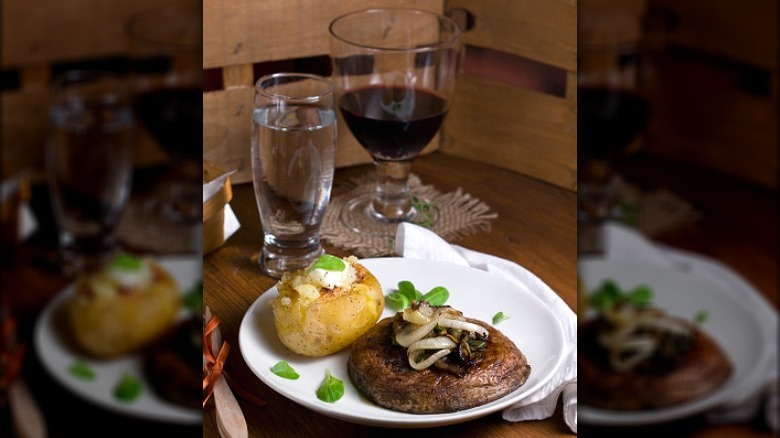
122, 307
321, 311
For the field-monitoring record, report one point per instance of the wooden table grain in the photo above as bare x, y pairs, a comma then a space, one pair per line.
535, 227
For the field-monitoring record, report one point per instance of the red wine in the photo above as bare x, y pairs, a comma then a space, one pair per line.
393, 122
608, 120
174, 117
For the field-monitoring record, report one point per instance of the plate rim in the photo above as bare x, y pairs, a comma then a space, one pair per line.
415, 420
605, 417
177, 415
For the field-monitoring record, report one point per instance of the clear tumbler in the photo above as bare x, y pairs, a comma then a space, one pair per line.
293, 155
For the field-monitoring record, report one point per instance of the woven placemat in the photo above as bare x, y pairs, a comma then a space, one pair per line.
652, 212
141, 230
460, 214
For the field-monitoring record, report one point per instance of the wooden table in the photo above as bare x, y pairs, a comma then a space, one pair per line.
536, 227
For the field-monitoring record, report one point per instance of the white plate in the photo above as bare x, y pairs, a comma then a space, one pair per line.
57, 357
532, 327
732, 322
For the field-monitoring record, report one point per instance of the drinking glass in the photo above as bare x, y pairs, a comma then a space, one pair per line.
293, 159
395, 72
611, 113
166, 49
89, 161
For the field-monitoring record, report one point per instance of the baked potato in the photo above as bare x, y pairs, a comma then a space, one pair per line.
122, 307
320, 310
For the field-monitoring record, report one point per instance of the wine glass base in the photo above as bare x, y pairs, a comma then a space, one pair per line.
358, 215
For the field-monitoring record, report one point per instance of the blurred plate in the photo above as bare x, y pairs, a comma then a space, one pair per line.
532, 326
57, 357
733, 322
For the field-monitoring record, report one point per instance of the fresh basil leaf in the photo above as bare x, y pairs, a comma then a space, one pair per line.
701, 317
397, 301
126, 262
193, 299
437, 296
641, 296
283, 369
601, 301
606, 296
82, 370
128, 388
407, 289
498, 317
328, 263
331, 388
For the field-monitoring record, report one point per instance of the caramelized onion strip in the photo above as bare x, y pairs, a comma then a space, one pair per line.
463, 325
428, 361
406, 339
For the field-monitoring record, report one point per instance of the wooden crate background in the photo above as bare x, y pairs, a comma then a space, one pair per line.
36, 36
239, 35
523, 130
717, 82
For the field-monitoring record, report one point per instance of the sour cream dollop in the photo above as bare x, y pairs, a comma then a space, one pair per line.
138, 277
332, 279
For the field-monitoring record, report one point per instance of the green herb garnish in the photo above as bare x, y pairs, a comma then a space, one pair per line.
126, 262
397, 301
128, 388
426, 212
609, 295
328, 263
82, 370
283, 369
701, 317
437, 296
331, 389
407, 289
407, 294
498, 317
193, 299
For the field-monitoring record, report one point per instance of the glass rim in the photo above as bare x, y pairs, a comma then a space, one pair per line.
93, 85
330, 87
453, 40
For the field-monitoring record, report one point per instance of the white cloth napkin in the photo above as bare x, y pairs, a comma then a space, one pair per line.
211, 188
27, 222
416, 242
624, 243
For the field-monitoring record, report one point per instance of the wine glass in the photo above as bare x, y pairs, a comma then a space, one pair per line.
394, 71
611, 113
166, 46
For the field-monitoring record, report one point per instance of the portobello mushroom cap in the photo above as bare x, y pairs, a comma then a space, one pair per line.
381, 372
696, 372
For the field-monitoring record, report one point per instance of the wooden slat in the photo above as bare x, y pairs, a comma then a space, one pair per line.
237, 76
247, 31
542, 30
525, 131
746, 30
610, 21
44, 32
503, 122
701, 116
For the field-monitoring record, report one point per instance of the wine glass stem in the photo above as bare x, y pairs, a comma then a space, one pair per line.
392, 202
